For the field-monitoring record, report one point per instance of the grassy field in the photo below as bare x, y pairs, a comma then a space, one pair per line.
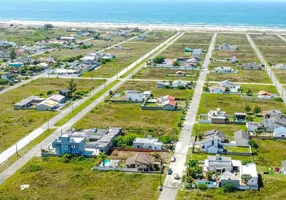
131, 118
267, 40
53, 179
14, 124
123, 59
29, 36
280, 75
157, 92
162, 74
270, 153
234, 103
248, 76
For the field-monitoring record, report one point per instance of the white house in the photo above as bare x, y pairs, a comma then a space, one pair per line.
224, 70
132, 95
58, 98
70, 39
6, 76
148, 143
47, 105
250, 169
211, 145
89, 59
179, 83
280, 132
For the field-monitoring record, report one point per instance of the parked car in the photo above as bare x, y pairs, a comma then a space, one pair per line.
173, 159
170, 171
177, 177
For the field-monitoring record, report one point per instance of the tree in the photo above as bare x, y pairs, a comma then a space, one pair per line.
249, 92
202, 186
227, 188
247, 108
48, 26
72, 86
192, 163
13, 54
101, 156
110, 92
159, 59
257, 109
209, 175
253, 144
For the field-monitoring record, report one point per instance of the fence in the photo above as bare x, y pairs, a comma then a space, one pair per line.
116, 169
138, 150
266, 137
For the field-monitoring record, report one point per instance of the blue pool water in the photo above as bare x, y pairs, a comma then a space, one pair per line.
106, 163
206, 182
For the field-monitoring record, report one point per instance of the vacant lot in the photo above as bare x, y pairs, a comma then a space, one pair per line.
280, 74
53, 179
29, 36
123, 58
165, 74
130, 117
248, 76
157, 92
234, 103
267, 40
267, 154
15, 124
196, 39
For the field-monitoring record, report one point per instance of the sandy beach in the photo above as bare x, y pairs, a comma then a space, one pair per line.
187, 27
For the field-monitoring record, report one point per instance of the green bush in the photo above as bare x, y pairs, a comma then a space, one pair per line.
227, 188
31, 168
202, 186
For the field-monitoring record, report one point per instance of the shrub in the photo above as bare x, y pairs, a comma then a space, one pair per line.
66, 158
279, 99
31, 168
253, 144
202, 186
227, 188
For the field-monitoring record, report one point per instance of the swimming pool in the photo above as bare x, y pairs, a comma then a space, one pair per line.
105, 163
116, 94
206, 182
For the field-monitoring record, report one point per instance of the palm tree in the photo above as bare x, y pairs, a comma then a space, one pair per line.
102, 156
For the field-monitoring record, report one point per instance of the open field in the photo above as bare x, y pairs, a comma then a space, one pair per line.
267, 40
131, 118
195, 39
123, 59
234, 39
270, 153
274, 54
29, 36
234, 103
14, 124
52, 179
280, 74
162, 74
250, 76
157, 92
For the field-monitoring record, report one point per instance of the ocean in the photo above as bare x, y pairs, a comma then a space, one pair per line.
179, 12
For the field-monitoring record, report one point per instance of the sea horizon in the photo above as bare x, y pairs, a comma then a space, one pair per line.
258, 14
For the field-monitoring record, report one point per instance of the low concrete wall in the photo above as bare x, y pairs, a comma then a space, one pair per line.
116, 169
138, 150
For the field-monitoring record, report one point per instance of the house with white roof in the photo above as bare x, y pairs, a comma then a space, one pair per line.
225, 70
211, 145
279, 132
148, 143
58, 98
217, 89
47, 105
179, 83
279, 66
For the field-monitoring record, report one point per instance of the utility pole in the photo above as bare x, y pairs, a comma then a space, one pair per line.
17, 149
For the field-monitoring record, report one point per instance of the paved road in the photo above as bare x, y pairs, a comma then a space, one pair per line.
37, 149
34, 134
270, 73
170, 187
